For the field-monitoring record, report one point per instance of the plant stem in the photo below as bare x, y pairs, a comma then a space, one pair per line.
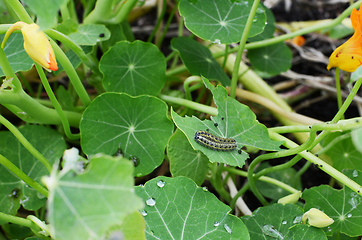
8, 71
249, 22
338, 88
20, 11
18, 220
21, 175
26, 143
56, 104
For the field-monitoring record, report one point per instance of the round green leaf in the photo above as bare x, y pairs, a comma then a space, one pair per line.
272, 59
14, 191
87, 205
220, 21
184, 160
305, 232
199, 60
343, 206
135, 68
135, 126
175, 208
19, 60
273, 221
90, 34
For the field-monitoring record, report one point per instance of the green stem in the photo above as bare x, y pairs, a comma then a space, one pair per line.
167, 26
249, 22
338, 88
26, 143
217, 183
72, 74
20, 11
190, 104
302, 170
8, 71
18, 220
21, 175
159, 21
56, 104
187, 83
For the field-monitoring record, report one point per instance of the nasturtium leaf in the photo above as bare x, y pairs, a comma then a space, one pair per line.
269, 26
73, 58
19, 60
5, 16
13, 191
64, 98
90, 34
273, 221
135, 68
184, 160
15, 231
272, 59
357, 139
340, 236
340, 31
46, 11
176, 208
198, 60
137, 127
305, 232
343, 206
133, 227
220, 21
234, 120
274, 192
343, 153
117, 35
87, 205
67, 27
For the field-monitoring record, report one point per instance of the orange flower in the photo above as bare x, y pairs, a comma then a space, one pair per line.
35, 44
348, 56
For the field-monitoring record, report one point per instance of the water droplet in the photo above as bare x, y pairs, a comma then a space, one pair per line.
141, 185
161, 184
271, 231
355, 173
297, 219
266, 23
255, 20
139, 175
135, 160
205, 189
152, 232
144, 213
227, 228
259, 10
216, 224
284, 222
151, 202
217, 41
15, 193
353, 202
349, 215
329, 229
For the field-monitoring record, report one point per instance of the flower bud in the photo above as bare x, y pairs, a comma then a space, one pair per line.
317, 218
291, 198
36, 44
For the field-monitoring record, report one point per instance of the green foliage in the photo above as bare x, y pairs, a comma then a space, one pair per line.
175, 208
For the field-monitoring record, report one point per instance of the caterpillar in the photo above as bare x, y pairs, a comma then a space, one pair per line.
213, 142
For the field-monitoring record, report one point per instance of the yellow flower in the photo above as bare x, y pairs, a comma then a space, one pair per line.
291, 198
35, 44
348, 56
317, 218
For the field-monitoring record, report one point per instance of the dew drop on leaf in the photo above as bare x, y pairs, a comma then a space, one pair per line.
144, 213
227, 228
217, 41
297, 219
160, 184
355, 173
151, 202
329, 229
135, 161
284, 222
205, 189
271, 231
349, 215
216, 224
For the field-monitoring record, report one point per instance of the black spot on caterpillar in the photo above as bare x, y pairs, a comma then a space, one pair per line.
213, 142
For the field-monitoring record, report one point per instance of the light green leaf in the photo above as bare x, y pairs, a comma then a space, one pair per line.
234, 120
273, 59
273, 222
343, 206
13, 191
198, 60
357, 139
135, 68
87, 205
220, 21
90, 34
184, 160
175, 208
136, 126
19, 60
133, 227
46, 11
305, 232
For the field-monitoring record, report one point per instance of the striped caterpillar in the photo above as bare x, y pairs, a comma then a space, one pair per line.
213, 142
